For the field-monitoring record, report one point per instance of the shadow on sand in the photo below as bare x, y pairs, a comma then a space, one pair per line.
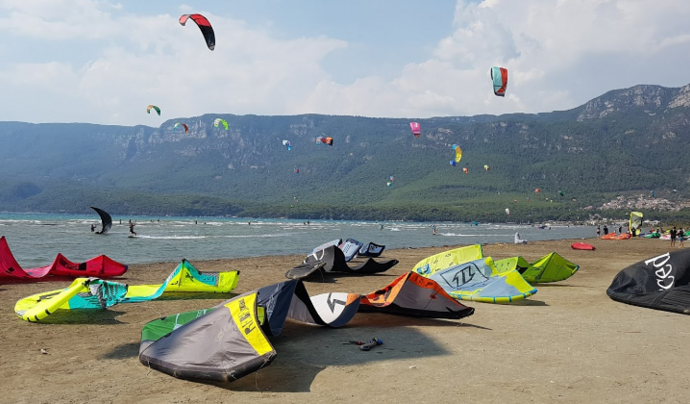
526, 302
304, 351
124, 351
84, 317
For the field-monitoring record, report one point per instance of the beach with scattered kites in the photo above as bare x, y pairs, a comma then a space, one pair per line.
301, 324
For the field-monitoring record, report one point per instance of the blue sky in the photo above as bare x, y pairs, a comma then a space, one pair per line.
104, 61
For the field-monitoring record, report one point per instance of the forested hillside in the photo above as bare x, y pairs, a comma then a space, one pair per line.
626, 141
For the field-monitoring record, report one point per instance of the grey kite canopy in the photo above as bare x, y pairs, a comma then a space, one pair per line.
232, 340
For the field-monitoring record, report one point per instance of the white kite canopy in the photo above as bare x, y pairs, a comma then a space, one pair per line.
519, 240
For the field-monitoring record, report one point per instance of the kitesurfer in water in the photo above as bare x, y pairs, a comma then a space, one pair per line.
93, 228
433, 230
131, 229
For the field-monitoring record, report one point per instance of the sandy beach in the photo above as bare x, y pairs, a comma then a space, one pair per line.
568, 343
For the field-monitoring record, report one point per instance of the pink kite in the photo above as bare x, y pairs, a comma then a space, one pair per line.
416, 129
100, 266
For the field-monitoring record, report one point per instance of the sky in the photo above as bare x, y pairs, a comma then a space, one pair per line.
103, 61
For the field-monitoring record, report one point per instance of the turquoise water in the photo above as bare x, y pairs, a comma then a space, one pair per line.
35, 239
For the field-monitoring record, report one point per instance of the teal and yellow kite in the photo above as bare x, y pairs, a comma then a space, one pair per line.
94, 293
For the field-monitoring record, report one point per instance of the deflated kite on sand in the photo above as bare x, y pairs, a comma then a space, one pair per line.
100, 266
660, 283
94, 293
232, 339
549, 268
332, 259
466, 275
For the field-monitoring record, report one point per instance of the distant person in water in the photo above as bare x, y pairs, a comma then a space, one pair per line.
249, 223
381, 226
433, 230
131, 229
93, 228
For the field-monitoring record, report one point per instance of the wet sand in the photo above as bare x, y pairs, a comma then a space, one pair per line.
568, 343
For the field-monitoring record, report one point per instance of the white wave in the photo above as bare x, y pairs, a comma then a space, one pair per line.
172, 237
259, 235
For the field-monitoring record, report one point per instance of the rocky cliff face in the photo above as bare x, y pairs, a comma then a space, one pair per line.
652, 99
682, 99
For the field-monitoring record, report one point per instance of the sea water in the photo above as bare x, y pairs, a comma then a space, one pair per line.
35, 239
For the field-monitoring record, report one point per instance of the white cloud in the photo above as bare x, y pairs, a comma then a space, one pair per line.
559, 53
158, 61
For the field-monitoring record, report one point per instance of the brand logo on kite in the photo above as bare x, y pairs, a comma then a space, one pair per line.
663, 271
333, 302
245, 318
464, 275
426, 269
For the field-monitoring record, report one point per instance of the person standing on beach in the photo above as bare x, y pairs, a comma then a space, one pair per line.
598, 231
620, 230
674, 233
606, 230
681, 237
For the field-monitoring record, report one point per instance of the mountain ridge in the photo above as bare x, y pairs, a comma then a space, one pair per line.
624, 141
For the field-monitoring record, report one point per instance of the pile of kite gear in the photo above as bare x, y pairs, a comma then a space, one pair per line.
187, 345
